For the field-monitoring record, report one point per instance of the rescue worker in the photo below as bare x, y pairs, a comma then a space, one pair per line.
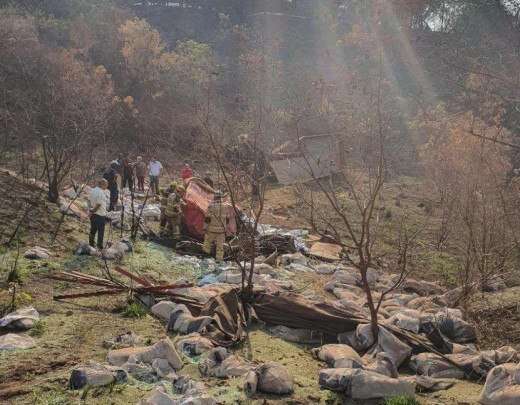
173, 212
163, 201
215, 226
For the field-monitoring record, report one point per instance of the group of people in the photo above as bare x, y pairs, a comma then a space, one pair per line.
103, 198
128, 171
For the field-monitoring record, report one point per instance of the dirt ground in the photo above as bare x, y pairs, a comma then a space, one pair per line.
73, 332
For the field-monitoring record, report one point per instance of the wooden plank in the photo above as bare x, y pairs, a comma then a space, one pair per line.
133, 277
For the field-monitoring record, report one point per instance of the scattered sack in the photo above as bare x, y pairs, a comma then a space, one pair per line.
12, 341
20, 320
302, 336
338, 356
269, 378
182, 321
163, 309
382, 364
455, 329
432, 365
293, 258
95, 374
405, 322
37, 253
220, 363
163, 349
84, 249
159, 396
502, 386
359, 384
128, 339
117, 250
428, 384
193, 344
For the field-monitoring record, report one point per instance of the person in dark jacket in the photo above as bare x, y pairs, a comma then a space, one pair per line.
127, 174
111, 177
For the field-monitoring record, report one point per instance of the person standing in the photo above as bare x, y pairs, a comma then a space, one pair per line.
186, 172
140, 173
97, 203
173, 211
127, 174
154, 171
111, 177
215, 223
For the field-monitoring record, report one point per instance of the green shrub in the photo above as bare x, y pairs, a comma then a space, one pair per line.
38, 329
401, 400
134, 310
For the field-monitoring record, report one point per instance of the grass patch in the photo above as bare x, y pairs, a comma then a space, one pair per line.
402, 400
38, 329
134, 310
444, 265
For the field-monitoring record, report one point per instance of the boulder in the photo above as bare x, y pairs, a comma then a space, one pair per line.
193, 344
37, 253
338, 356
221, 364
20, 320
95, 374
502, 386
364, 385
12, 341
269, 378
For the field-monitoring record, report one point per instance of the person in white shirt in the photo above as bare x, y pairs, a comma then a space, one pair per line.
154, 171
97, 204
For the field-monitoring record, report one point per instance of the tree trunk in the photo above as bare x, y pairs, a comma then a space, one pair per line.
53, 193
370, 302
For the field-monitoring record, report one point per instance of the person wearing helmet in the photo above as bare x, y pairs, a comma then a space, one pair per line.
173, 211
215, 226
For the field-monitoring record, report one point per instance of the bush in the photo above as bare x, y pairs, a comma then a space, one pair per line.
38, 329
134, 310
402, 400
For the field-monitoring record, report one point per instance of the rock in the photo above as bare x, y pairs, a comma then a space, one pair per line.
163, 309
502, 386
338, 356
37, 253
12, 341
221, 364
20, 320
269, 378
128, 339
325, 268
302, 336
363, 385
296, 258
163, 349
431, 365
183, 322
95, 374
193, 344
